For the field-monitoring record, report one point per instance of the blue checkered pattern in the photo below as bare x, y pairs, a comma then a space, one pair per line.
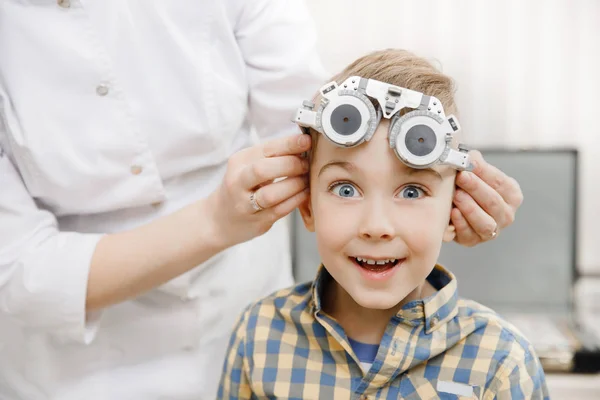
285, 346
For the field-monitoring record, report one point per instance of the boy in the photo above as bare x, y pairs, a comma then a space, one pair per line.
381, 320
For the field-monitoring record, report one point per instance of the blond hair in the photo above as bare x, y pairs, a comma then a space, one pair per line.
400, 68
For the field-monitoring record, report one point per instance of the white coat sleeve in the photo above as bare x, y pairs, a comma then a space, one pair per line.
43, 272
278, 41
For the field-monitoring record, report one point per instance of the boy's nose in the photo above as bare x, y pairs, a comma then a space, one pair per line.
376, 223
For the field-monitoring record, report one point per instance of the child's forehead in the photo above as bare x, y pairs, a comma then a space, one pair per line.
375, 156
359, 161
372, 157
377, 150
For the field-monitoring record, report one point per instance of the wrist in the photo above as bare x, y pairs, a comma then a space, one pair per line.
210, 225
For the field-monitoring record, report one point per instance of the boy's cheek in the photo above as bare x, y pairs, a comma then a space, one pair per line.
333, 224
331, 220
424, 230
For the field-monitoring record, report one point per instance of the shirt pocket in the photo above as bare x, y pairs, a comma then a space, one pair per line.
428, 388
455, 390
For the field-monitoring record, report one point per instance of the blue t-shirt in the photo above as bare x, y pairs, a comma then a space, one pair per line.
365, 352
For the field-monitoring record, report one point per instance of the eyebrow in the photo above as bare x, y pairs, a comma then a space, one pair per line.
425, 171
348, 166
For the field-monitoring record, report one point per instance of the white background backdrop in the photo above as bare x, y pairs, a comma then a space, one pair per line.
527, 72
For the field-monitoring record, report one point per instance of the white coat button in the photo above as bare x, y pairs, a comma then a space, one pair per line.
102, 89
64, 3
136, 169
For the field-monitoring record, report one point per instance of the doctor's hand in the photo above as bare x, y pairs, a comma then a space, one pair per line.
129, 263
248, 201
486, 201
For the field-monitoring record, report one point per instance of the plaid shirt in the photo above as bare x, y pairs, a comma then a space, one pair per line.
285, 346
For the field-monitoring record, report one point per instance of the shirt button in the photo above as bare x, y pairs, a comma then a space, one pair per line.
64, 3
136, 169
434, 321
102, 89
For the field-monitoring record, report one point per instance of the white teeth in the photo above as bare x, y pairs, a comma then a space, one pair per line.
373, 262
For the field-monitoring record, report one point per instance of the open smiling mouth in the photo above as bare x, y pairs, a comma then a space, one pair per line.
376, 265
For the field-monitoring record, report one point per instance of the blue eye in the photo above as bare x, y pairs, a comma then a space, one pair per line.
412, 192
344, 190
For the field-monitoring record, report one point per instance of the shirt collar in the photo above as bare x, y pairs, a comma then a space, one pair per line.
318, 286
433, 311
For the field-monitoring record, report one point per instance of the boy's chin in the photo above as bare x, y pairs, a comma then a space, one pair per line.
378, 301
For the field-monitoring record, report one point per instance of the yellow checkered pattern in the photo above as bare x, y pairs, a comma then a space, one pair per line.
285, 346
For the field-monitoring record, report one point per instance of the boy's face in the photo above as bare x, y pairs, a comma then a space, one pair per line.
366, 204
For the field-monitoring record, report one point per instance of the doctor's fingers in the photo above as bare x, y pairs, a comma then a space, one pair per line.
287, 206
271, 195
508, 188
284, 146
464, 234
473, 224
487, 197
267, 169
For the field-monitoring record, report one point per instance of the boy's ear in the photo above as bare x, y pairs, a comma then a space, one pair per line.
307, 215
449, 232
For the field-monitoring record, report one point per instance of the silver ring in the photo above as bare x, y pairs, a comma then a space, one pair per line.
254, 203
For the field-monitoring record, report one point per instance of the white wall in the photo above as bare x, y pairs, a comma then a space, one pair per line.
528, 72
